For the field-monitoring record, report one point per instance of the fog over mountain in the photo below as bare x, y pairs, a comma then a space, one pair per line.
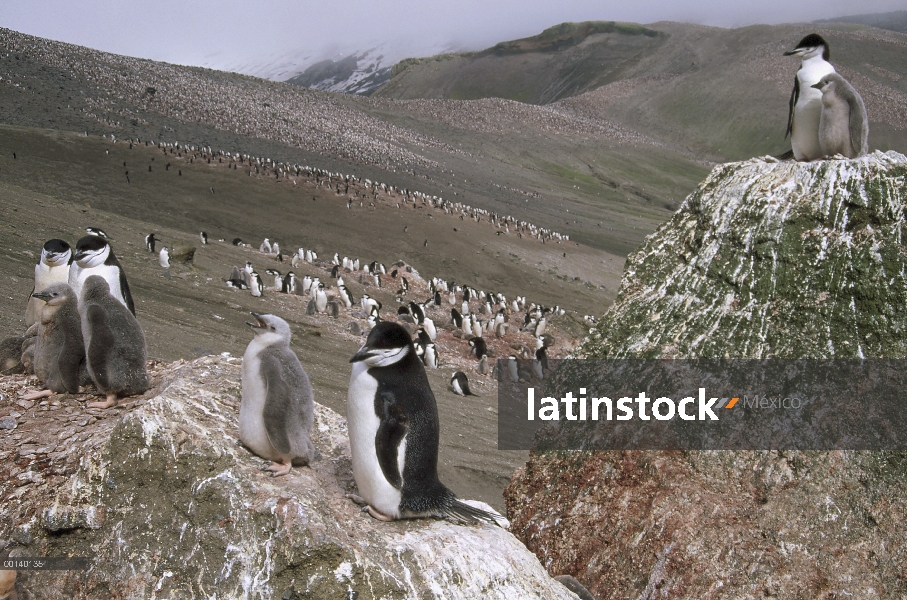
285, 38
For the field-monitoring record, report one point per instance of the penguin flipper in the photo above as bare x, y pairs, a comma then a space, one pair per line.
279, 411
794, 96
391, 431
98, 351
71, 363
857, 122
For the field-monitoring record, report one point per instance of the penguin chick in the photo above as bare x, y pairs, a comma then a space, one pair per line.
115, 348
278, 405
59, 354
843, 124
394, 432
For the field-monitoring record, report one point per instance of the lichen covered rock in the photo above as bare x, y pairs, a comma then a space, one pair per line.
771, 259
765, 259
163, 499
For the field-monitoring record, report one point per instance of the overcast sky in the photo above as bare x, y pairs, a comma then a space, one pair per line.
234, 33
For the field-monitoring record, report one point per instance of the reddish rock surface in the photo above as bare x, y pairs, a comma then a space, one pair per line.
717, 524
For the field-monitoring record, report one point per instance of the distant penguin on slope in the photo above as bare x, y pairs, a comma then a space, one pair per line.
277, 411
460, 384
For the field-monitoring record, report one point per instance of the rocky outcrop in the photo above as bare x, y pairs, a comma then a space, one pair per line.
765, 259
165, 502
771, 259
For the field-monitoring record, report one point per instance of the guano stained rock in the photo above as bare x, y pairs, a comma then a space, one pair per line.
163, 499
765, 259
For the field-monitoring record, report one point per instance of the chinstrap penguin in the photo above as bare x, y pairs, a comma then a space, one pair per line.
805, 101
94, 256
394, 431
56, 259
844, 125
59, 352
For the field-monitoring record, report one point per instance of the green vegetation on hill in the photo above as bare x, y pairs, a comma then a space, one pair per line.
569, 34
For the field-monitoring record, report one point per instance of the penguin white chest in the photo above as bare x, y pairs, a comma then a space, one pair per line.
363, 426
805, 135
252, 431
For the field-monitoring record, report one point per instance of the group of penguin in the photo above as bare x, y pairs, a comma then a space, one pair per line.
331, 301
392, 420
81, 323
827, 116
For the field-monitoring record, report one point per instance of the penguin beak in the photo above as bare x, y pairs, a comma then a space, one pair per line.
41, 295
363, 353
795, 52
259, 324
818, 86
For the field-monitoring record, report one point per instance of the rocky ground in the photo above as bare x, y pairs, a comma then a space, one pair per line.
766, 259
164, 502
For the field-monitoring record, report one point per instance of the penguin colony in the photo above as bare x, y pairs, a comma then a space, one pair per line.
357, 190
87, 325
103, 344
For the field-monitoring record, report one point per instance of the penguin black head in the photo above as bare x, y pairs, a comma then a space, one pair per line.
98, 232
809, 45
91, 250
387, 343
56, 252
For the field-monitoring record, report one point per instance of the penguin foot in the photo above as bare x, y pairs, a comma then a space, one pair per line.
278, 469
358, 500
111, 401
377, 515
37, 394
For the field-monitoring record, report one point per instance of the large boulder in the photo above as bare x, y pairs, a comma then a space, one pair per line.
165, 502
765, 259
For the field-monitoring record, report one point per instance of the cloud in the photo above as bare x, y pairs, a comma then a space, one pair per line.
228, 33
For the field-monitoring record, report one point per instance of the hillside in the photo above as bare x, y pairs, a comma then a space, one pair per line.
718, 93
606, 186
562, 61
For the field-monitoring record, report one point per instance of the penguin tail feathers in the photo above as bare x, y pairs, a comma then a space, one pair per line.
786, 155
459, 511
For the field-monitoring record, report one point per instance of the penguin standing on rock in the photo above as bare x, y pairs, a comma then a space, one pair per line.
59, 352
56, 258
94, 256
114, 343
805, 100
843, 125
394, 432
277, 411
